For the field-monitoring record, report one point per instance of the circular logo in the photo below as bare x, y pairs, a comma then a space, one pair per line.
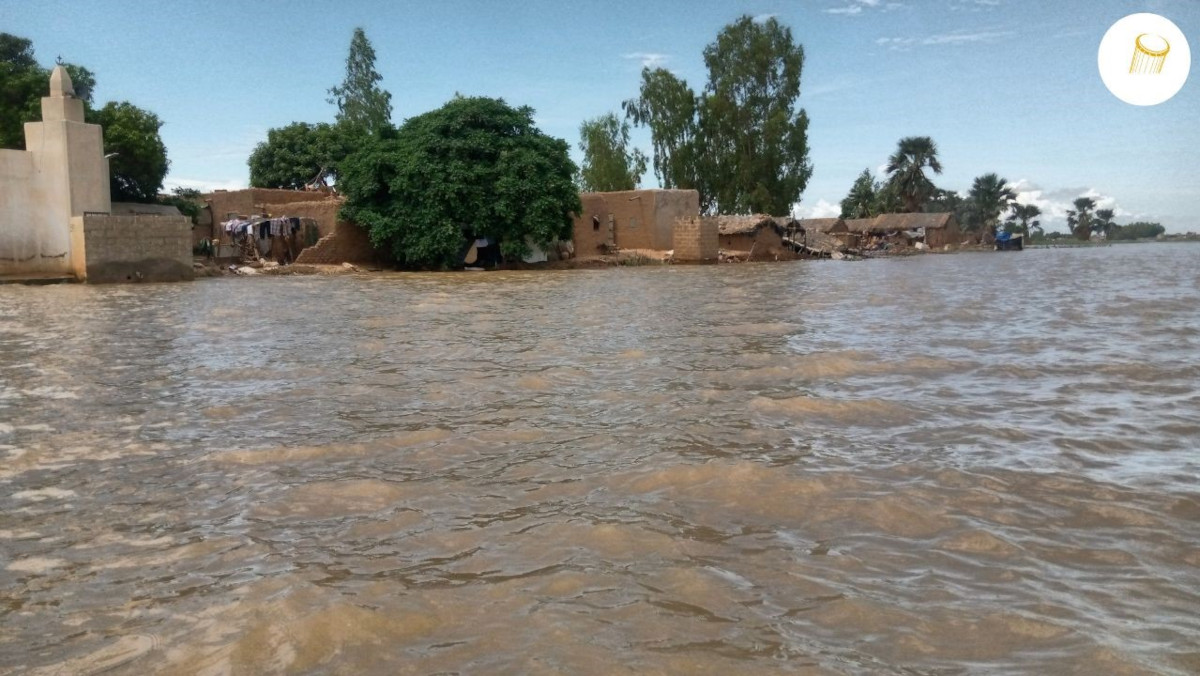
1144, 59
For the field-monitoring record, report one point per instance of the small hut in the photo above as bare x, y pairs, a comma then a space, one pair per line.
936, 230
758, 235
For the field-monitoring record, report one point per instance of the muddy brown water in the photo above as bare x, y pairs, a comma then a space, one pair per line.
937, 465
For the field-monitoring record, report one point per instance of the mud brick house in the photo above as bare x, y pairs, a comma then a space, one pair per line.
631, 219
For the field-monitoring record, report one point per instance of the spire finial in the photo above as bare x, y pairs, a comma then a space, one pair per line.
60, 84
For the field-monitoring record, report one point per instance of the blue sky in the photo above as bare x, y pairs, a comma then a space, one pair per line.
1009, 86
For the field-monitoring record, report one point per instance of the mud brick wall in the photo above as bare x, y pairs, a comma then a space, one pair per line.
137, 248
253, 200
696, 240
348, 243
324, 212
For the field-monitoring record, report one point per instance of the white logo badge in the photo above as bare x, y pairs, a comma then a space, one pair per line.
1144, 59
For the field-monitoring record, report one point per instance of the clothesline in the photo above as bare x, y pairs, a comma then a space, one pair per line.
262, 228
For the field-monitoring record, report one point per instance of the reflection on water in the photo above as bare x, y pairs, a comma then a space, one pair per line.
946, 464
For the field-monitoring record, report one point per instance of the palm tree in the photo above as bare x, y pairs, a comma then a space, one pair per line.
990, 196
1024, 218
906, 170
1104, 222
1080, 218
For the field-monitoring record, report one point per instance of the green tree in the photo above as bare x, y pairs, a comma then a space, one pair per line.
608, 162
862, 199
990, 196
298, 154
906, 170
360, 100
187, 200
1024, 220
668, 107
1139, 230
17, 51
82, 80
756, 138
476, 167
22, 86
23, 83
1104, 222
139, 161
1080, 218
743, 144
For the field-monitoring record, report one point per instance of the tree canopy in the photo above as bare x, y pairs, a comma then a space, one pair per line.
474, 168
1024, 220
139, 161
300, 153
990, 197
667, 106
861, 201
609, 163
1079, 219
360, 100
906, 170
743, 144
756, 140
1104, 222
1138, 230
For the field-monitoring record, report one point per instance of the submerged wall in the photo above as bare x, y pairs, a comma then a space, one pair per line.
696, 240
133, 248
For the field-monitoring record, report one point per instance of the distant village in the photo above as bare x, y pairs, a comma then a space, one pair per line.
475, 185
234, 228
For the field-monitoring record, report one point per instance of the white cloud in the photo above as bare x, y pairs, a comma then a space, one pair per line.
855, 7
763, 18
1055, 203
822, 209
951, 38
960, 37
974, 5
203, 185
648, 59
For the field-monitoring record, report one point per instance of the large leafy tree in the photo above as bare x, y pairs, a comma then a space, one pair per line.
906, 170
23, 83
1080, 218
756, 150
300, 153
743, 144
360, 100
862, 199
1024, 220
990, 196
476, 167
139, 158
667, 105
608, 161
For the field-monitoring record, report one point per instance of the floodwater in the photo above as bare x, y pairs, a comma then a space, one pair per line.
979, 463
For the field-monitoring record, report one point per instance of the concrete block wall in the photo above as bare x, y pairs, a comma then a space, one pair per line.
136, 248
348, 243
696, 240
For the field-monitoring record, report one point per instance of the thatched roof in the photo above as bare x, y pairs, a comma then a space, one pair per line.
743, 225
895, 222
821, 224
